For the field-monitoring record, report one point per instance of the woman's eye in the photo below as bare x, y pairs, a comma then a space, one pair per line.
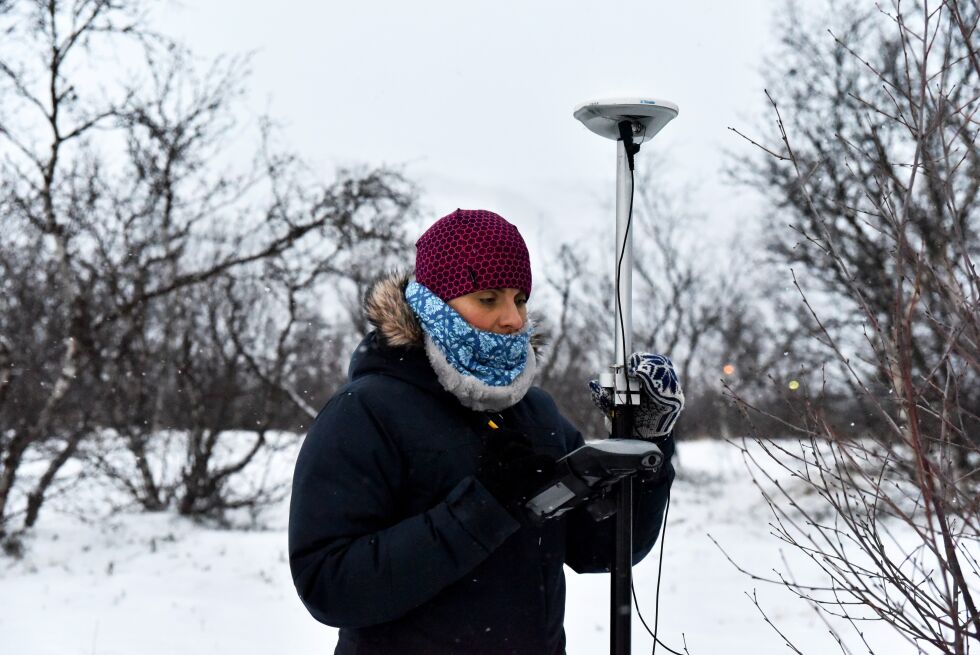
487, 301
522, 301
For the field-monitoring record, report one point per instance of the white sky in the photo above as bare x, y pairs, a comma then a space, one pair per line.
474, 98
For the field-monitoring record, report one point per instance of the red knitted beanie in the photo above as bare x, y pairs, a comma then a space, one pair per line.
470, 250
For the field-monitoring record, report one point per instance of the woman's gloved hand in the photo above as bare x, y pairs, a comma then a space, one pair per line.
661, 395
510, 469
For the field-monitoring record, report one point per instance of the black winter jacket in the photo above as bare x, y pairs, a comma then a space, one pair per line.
393, 540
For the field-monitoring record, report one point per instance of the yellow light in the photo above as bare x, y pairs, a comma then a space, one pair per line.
793, 385
728, 369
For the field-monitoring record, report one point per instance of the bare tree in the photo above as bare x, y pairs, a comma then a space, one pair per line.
856, 122
876, 162
119, 205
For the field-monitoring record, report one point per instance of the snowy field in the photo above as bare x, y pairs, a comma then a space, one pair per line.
132, 583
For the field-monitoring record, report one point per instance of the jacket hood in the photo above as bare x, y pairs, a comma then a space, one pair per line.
387, 310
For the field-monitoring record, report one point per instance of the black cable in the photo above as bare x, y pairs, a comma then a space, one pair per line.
625, 132
631, 148
656, 606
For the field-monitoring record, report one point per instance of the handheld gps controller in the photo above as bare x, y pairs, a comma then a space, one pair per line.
587, 473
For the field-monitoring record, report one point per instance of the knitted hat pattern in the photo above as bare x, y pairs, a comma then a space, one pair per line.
470, 250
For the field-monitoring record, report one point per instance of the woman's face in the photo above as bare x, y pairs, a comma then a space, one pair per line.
495, 310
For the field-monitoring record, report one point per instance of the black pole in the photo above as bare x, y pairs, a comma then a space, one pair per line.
620, 593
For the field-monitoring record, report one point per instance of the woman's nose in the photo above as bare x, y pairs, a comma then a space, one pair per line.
511, 320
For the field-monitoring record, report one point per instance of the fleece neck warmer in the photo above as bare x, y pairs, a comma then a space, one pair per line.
485, 370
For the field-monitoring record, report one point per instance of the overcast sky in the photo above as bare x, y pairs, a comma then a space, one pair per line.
474, 99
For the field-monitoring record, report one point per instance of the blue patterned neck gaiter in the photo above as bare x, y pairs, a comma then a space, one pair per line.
494, 359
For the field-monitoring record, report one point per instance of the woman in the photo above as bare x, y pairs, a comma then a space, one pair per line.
406, 525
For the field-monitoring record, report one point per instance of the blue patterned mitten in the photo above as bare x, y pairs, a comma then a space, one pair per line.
661, 396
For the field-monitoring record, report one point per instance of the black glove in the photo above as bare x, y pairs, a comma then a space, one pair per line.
510, 469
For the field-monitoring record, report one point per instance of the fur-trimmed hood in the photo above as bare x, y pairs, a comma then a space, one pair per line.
387, 310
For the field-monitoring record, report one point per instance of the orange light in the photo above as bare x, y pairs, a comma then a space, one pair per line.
728, 369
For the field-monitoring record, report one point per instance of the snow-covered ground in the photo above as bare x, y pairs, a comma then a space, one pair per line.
157, 584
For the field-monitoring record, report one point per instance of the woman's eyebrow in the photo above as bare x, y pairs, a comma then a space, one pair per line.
502, 289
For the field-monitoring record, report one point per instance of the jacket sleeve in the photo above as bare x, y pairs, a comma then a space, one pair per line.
354, 561
590, 543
